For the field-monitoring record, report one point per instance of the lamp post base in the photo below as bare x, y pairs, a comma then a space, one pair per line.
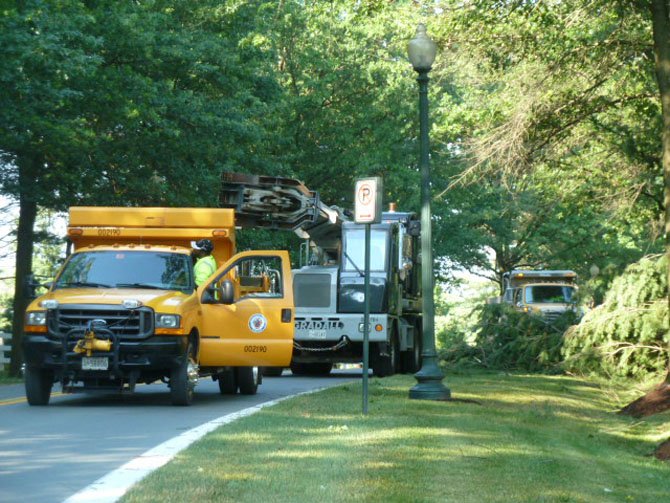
430, 385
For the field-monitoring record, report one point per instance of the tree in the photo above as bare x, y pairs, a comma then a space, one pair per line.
552, 130
47, 57
134, 103
627, 335
349, 110
658, 400
571, 89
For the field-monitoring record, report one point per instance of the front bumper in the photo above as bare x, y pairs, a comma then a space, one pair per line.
141, 360
319, 329
338, 338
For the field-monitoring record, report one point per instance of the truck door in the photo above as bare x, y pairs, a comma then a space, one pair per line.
256, 329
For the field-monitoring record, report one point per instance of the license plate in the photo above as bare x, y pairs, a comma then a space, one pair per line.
317, 334
94, 363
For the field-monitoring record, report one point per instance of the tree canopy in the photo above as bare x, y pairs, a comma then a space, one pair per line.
546, 116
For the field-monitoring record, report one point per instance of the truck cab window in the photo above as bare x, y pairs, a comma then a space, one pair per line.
549, 294
127, 269
254, 277
355, 250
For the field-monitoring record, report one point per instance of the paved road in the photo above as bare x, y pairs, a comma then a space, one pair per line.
49, 453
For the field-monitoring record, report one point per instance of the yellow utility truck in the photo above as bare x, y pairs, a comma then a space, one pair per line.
124, 308
545, 293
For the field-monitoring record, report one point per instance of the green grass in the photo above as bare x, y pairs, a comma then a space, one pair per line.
531, 438
6, 379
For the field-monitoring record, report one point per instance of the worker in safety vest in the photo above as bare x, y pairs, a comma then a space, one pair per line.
205, 264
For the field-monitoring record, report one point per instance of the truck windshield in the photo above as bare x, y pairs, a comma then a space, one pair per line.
354, 260
127, 269
549, 294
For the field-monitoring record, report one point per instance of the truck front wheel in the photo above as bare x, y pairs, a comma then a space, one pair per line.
386, 365
38, 384
183, 379
248, 379
412, 358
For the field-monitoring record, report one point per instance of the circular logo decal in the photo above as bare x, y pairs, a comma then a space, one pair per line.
258, 323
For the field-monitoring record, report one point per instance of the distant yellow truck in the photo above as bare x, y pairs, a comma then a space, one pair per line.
124, 308
546, 293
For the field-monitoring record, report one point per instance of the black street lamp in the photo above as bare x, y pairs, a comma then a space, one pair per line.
421, 50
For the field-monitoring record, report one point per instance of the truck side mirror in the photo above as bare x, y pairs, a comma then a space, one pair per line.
31, 285
208, 295
227, 291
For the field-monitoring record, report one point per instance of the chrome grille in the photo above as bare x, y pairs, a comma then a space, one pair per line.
552, 316
311, 290
125, 323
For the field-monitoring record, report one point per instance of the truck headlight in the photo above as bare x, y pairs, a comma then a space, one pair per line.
36, 318
168, 320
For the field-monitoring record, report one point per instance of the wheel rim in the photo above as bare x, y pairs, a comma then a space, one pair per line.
192, 373
254, 374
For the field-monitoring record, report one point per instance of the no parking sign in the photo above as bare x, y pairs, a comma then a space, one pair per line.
368, 201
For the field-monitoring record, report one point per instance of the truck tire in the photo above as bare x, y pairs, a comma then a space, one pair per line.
227, 382
38, 383
411, 360
248, 379
384, 366
183, 379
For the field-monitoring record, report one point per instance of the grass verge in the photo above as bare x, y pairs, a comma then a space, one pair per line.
5, 378
528, 438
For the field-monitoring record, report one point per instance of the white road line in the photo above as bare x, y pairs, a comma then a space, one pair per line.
114, 485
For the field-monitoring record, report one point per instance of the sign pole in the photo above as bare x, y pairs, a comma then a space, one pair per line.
366, 321
368, 198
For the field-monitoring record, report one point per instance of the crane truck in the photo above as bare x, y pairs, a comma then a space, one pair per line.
329, 284
124, 308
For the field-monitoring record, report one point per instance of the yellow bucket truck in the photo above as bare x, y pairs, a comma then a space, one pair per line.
124, 308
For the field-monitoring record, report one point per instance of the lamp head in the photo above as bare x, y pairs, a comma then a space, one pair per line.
421, 50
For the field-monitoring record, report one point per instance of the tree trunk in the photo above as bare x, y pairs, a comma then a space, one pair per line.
660, 11
663, 451
654, 402
24, 262
658, 399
